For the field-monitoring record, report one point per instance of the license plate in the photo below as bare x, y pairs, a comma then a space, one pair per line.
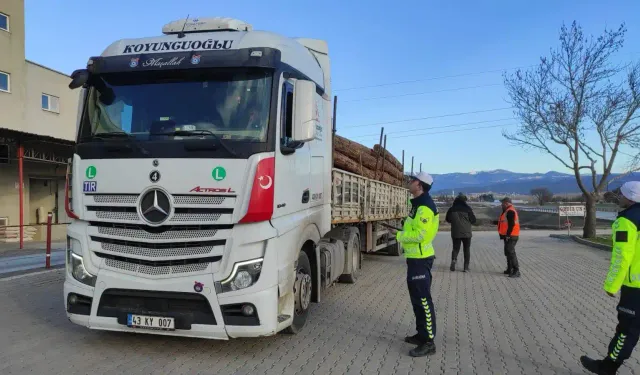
150, 322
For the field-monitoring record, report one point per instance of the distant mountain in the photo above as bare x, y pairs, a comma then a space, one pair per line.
503, 181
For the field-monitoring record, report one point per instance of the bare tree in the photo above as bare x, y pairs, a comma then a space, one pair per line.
542, 195
612, 196
570, 107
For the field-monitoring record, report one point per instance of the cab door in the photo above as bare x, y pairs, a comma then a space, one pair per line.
293, 163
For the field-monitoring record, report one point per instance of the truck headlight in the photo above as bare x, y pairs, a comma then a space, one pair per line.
244, 275
75, 265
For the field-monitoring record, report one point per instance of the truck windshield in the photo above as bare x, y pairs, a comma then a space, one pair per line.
229, 104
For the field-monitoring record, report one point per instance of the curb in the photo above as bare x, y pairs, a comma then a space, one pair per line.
591, 243
30, 272
581, 241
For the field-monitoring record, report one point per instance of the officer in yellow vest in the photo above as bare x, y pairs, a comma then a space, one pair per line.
624, 276
418, 231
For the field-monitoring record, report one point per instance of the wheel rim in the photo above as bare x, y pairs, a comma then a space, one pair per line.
302, 291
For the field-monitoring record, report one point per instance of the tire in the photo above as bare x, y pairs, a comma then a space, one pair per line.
352, 249
302, 289
394, 249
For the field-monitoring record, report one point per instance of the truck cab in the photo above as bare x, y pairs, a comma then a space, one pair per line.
200, 185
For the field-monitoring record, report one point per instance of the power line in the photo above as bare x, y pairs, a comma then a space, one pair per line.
445, 77
455, 130
422, 93
434, 127
434, 78
428, 118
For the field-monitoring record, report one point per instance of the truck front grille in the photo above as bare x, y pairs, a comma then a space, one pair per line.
158, 250
197, 200
191, 240
115, 198
171, 234
160, 267
154, 271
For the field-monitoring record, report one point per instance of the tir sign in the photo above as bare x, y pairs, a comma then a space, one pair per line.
89, 186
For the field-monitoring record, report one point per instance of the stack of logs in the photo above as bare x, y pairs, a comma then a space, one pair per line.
376, 163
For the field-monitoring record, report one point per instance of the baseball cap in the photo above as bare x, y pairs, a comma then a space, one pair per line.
631, 191
424, 177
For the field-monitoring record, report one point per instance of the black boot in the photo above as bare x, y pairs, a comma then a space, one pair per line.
466, 267
413, 340
514, 273
509, 268
423, 349
453, 266
600, 366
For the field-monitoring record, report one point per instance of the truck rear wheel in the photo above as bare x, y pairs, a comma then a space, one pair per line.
394, 249
353, 251
302, 288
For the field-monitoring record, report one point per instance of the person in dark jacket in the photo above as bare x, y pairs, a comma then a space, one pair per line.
461, 217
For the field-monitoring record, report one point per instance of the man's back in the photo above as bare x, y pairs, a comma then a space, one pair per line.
461, 218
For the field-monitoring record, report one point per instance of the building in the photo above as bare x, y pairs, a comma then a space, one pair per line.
37, 129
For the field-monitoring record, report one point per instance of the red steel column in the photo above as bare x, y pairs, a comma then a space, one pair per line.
20, 182
48, 261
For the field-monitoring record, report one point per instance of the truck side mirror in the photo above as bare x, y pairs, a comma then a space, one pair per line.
305, 113
79, 78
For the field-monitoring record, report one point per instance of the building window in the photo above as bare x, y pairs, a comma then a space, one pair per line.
4, 22
50, 103
5, 82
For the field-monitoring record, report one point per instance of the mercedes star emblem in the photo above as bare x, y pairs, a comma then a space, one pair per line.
154, 176
155, 206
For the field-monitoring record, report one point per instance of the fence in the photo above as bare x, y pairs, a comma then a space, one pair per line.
18, 234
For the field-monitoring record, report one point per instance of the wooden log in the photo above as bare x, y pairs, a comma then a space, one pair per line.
354, 151
345, 163
388, 156
360, 153
350, 148
386, 178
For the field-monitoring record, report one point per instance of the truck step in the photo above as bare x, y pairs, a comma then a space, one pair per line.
282, 318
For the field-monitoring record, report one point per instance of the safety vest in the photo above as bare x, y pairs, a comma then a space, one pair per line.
418, 231
625, 255
503, 224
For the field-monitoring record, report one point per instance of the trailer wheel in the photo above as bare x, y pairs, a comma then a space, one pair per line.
394, 249
302, 288
353, 251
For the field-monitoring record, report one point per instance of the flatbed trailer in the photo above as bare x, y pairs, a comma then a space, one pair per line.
367, 204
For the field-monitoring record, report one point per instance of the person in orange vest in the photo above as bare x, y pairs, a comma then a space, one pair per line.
509, 231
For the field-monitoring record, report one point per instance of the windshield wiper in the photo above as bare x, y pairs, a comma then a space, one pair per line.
189, 133
107, 135
118, 134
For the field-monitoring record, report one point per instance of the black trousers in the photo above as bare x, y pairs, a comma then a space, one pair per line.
628, 329
419, 283
510, 253
466, 244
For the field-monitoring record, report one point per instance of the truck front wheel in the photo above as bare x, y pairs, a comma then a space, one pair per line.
302, 288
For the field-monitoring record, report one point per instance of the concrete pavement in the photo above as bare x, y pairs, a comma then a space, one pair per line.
486, 323
27, 262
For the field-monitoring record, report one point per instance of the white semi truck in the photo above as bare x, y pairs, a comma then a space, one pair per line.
202, 191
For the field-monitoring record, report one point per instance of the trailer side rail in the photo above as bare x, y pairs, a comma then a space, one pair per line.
356, 199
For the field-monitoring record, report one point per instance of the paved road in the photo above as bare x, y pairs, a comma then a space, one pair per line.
487, 324
604, 215
27, 262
